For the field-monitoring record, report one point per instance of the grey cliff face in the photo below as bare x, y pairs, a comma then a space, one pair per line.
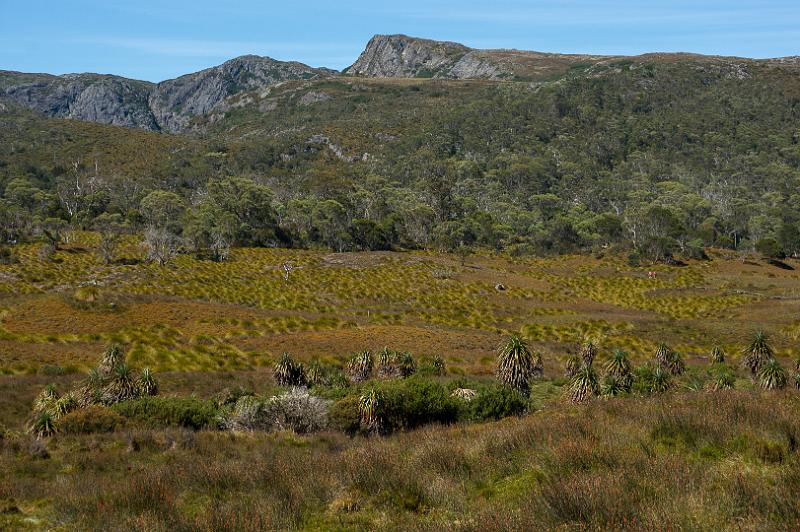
403, 56
105, 99
176, 101
167, 106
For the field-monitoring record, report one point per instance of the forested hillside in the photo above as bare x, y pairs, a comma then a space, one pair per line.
664, 155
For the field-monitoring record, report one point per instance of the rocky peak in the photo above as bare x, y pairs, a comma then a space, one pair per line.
410, 57
176, 101
98, 98
168, 105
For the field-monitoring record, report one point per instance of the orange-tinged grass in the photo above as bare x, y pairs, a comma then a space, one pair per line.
201, 315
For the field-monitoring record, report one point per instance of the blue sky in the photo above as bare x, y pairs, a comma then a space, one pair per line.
157, 40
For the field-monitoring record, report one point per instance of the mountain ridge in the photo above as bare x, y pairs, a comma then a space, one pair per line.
171, 105
165, 106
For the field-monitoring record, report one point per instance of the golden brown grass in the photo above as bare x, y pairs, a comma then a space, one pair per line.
725, 460
202, 315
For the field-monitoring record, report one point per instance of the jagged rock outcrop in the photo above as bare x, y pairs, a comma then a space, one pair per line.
167, 106
97, 98
408, 57
175, 101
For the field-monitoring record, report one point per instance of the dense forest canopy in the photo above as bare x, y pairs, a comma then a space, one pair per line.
664, 158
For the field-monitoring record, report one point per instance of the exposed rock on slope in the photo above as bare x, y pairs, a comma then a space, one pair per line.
97, 98
403, 56
409, 57
168, 105
175, 101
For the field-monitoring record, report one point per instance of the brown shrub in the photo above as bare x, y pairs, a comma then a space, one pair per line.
91, 419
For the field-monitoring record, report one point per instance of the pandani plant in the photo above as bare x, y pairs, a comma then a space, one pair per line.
584, 385
369, 407
619, 367
757, 353
660, 381
571, 366
359, 368
771, 376
516, 365
316, 375
717, 355
588, 352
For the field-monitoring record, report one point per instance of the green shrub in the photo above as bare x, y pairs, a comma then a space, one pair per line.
770, 248
91, 419
650, 379
158, 412
52, 370
416, 401
496, 402
345, 415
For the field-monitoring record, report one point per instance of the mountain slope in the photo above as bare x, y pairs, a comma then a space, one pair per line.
192, 101
175, 101
401, 56
411, 57
168, 105
91, 97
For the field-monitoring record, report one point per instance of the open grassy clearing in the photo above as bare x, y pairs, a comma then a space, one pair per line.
196, 315
687, 458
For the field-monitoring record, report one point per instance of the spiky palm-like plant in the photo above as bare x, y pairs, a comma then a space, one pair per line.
64, 405
388, 364
87, 395
515, 365
619, 367
359, 368
283, 372
758, 353
406, 364
771, 376
660, 381
316, 374
112, 358
95, 378
588, 352
46, 399
571, 366
43, 425
663, 355
676, 365
300, 376
122, 388
287, 372
148, 386
717, 355
386, 357
369, 406
584, 385
90, 393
